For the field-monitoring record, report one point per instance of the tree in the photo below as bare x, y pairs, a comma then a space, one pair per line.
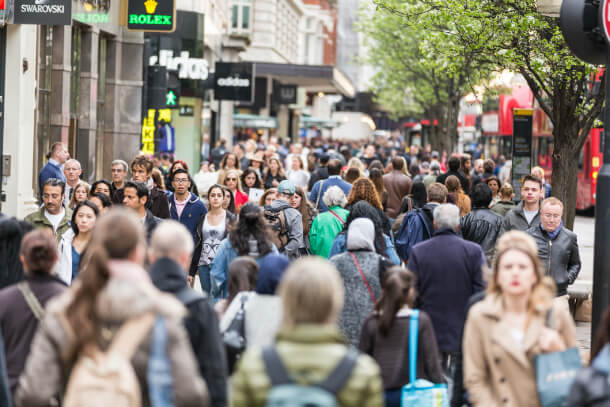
511, 34
405, 83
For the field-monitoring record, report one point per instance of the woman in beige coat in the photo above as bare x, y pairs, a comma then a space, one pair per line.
506, 330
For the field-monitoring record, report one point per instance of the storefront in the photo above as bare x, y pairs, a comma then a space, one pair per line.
182, 53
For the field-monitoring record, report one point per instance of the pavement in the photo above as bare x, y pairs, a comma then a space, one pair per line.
584, 227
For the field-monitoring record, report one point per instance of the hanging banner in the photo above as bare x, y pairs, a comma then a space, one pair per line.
522, 147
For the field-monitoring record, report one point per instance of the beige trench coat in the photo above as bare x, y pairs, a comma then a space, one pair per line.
497, 370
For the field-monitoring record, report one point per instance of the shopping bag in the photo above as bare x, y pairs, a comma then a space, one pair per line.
555, 373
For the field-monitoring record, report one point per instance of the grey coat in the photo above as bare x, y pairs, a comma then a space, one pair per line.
358, 301
294, 226
559, 257
515, 220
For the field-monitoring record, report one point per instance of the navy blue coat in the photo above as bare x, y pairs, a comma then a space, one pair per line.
49, 170
449, 272
191, 214
333, 180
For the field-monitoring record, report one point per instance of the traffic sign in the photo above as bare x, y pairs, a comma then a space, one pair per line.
605, 18
170, 99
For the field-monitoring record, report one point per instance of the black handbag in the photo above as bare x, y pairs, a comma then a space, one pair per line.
234, 338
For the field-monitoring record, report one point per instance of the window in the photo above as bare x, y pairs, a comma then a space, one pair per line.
240, 18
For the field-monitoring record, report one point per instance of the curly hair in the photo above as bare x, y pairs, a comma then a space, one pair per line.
363, 189
250, 225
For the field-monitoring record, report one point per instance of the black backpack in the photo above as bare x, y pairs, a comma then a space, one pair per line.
276, 219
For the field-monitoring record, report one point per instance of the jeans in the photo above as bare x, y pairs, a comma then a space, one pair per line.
392, 397
448, 364
204, 278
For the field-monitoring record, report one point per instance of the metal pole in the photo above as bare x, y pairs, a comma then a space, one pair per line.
601, 259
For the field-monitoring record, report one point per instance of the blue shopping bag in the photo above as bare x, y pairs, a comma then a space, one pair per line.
555, 373
420, 393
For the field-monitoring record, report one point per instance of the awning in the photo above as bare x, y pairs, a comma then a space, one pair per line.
307, 122
254, 121
314, 78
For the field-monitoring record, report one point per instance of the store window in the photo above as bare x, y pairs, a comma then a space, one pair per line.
241, 15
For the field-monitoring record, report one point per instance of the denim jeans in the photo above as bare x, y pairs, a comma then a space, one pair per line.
392, 397
204, 278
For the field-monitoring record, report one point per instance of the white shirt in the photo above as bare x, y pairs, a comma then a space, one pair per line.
529, 215
55, 219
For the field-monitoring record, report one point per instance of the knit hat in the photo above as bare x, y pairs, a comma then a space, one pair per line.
270, 272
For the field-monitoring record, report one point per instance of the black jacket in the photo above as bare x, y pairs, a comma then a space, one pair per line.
116, 195
559, 257
199, 241
150, 222
158, 204
202, 327
463, 180
317, 175
515, 219
591, 388
482, 226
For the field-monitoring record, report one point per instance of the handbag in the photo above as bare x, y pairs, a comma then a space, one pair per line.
420, 392
555, 373
234, 338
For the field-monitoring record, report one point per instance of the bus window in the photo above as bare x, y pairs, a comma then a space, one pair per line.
580, 159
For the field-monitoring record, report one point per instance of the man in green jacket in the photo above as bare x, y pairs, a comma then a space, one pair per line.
327, 225
53, 214
309, 345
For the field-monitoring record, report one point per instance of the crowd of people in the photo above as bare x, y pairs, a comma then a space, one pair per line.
278, 265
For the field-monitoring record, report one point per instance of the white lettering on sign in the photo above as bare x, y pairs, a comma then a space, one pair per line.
234, 82
187, 67
42, 8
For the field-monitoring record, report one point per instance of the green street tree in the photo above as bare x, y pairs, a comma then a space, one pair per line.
511, 34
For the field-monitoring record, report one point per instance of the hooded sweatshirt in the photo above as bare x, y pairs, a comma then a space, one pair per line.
294, 226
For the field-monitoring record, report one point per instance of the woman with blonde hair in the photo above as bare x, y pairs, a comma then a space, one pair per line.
457, 195
515, 322
309, 346
80, 193
233, 182
355, 162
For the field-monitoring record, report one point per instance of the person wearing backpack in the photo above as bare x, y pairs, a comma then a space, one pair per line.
22, 304
310, 364
286, 223
386, 331
112, 318
171, 247
417, 224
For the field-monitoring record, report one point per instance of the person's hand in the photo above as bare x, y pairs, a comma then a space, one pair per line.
550, 341
190, 280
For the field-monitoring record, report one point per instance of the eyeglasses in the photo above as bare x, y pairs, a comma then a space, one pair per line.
231, 179
181, 180
551, 216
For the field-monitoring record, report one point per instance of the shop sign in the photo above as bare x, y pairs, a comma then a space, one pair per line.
48, 12
234, 81
187, 67
286, 94
151, 15
92, 11
187, 110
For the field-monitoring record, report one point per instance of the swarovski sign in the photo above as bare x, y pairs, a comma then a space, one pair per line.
187, 67
49, 12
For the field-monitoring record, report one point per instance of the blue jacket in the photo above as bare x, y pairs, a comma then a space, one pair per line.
333, 180
220, 268
339, 246
191, 214
449, 271
50, 170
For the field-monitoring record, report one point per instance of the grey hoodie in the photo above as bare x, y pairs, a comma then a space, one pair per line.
294, 224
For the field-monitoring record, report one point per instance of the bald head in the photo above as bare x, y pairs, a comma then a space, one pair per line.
72, 171
172, 240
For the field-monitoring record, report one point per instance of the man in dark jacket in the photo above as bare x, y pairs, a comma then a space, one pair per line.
185, 206
334, 179
526, 214
454, 166
449, 272
481, 225
52, 169
171, 250
141, 170
135, 196
557, 247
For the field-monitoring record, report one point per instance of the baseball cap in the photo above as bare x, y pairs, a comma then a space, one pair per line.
286, 187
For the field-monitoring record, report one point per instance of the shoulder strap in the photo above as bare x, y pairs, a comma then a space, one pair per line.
424, 221
131, 333
319, 195
336, 216
413, 328
363, 277
188, 296
340, 375
275, 368
31, 300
